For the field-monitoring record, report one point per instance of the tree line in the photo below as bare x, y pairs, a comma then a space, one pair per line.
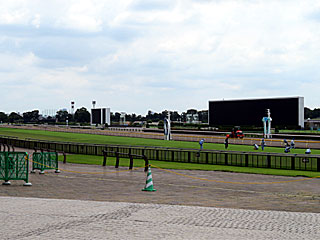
82, 116
312, 114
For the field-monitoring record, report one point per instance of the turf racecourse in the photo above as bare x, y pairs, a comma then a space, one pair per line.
102, 139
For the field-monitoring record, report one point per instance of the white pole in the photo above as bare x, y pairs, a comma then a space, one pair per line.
264, 128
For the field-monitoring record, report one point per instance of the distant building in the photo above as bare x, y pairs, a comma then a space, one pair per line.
100, 116
123, 119
192, 116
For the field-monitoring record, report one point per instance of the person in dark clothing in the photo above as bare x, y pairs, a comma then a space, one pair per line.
263, 144
287, 149
226, 143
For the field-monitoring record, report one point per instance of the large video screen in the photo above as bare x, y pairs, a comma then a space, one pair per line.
96, 116
249, 112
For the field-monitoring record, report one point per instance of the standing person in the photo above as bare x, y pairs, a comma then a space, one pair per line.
292, 143
226, 143
263, 144
285, 142
201, 143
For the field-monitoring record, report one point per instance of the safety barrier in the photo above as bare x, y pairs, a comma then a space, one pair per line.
44, 161
48, 150
14, 166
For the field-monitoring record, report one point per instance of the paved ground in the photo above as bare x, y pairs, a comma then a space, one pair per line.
114, 206
35, 218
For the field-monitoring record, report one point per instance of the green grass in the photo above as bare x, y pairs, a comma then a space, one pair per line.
300, 131
102, 139
97, 160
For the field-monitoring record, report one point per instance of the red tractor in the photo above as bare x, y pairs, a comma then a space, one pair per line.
235, 134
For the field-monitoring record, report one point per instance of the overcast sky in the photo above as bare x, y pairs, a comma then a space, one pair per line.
142, 55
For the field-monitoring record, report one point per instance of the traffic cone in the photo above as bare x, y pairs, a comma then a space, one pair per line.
149, 183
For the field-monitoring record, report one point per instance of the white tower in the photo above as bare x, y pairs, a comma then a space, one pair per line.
167, 127
267, 124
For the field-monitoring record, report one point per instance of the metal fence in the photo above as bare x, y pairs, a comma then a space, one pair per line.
45, 161
119, 155
241, 159
14, 166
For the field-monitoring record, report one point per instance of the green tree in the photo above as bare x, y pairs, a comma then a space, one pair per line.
161, 124
62, 115
3, 117
82, 115
32, 116
115, 117
15, 117
312, 114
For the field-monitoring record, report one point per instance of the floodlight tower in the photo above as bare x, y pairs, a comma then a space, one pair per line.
72, 107
267, 124
167, 128
93, 104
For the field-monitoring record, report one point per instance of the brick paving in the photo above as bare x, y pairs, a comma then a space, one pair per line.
114, 207
35, 218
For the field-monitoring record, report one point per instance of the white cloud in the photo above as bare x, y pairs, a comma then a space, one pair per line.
140, 55
36, 20
81, 15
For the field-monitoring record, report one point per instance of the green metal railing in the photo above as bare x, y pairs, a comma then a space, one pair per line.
287, 161
45, 161
14, 166
305, 162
